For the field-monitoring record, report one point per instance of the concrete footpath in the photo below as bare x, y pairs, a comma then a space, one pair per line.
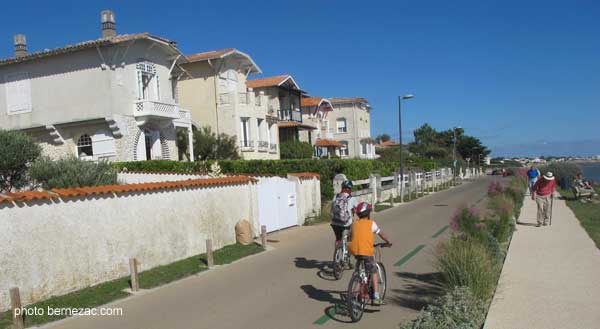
551, 276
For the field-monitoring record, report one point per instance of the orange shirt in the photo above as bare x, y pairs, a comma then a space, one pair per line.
363, 238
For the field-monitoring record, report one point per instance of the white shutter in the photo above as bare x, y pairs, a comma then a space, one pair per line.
103, 143
141, 147
18, 92
156, 146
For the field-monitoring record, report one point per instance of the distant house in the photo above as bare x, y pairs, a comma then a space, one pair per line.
111, 98
283, 101
350, 123
386, 144
215, 89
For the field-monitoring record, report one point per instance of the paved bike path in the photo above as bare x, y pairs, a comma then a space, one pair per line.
290, 286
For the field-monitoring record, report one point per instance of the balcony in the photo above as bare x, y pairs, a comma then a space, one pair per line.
184, 119
145, 110
272, 148
290, 115
246, 145
263, 146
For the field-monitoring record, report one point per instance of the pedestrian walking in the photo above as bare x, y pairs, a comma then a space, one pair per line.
542, 193
533, 174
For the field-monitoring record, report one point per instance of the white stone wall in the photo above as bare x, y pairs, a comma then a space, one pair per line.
308, 197
52, 248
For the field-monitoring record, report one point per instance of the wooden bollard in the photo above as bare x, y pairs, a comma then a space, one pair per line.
263, 236
210, 261
134, 274
15, 304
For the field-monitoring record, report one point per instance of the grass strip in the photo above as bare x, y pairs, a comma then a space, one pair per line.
587, 213
113, 290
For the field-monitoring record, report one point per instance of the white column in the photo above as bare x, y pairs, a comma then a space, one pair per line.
191, 142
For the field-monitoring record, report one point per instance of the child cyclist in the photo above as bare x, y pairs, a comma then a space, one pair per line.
362, 244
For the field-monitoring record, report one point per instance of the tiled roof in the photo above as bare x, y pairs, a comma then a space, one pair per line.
209, 54
306, 175
387, 144
344, 100
267, 82
125, 188
328, 142
81, 46
284, 124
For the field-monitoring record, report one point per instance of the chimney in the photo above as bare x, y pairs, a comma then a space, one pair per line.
107, 17
20, 45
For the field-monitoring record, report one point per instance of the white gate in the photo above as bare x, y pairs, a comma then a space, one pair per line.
277, 207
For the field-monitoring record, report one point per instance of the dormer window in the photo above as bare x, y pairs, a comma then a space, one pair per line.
147, 79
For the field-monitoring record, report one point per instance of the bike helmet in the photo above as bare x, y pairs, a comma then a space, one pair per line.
347, 185
364, 209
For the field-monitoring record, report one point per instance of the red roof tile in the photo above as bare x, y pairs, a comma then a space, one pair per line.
267, 82
209, 54
30, 196
285, 124
306, 175
82, 45
328, 142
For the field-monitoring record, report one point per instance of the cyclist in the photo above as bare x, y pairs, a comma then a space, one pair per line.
362, 243
343, 208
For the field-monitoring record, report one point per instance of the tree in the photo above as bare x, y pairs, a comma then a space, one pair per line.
296, 150
383, 138
471, 147
17, 152
209, 146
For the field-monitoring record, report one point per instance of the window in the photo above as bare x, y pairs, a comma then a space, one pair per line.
85, 151
364, 149
341, 126
245, 132
18, 93
344, 149
147, 80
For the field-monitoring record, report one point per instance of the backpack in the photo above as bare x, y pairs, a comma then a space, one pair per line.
341, 213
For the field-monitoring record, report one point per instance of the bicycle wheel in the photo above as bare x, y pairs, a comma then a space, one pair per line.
382, 280
355, 299
338, 262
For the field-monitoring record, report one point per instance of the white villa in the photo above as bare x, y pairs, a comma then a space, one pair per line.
112, 98
215, 89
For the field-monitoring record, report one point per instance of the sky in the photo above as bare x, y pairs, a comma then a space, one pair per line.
523, 76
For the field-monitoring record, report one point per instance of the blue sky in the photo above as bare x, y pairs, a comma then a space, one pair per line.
524, 76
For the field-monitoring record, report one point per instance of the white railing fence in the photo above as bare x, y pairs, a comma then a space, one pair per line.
414, 184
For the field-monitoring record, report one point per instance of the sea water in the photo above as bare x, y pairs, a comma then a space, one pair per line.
591, 171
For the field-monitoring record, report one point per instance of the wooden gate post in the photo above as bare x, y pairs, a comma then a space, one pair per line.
15, 303
263, 236
134, 274
210, 262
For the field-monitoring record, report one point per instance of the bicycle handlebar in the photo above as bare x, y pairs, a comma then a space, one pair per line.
382, 245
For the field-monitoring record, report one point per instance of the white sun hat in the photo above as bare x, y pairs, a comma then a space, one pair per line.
549, 175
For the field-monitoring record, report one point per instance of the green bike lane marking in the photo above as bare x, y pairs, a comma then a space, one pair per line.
326, 317
438, 233
408, 256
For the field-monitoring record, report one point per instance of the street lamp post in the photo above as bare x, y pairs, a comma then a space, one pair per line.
400, 98
454, 154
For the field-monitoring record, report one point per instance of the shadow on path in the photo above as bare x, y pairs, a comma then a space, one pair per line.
417, 290
325, 271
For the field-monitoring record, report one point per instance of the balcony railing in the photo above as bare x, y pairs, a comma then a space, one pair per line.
273, 148
290, 115
147, 108
243, 98
263, 146
247, 145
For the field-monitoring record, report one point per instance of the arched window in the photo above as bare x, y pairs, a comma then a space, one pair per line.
147, 79
84, 147
341, 126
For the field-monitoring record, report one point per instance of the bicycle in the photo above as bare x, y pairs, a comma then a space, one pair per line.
360, 287
341, 256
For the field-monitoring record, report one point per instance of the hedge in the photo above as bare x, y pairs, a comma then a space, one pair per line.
327, 168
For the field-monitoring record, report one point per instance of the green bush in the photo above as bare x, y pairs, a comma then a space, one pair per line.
296, 150
466, 262
71, 172
210, 146
17, 152
458, 308
503, 207
561, 169
162, 166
